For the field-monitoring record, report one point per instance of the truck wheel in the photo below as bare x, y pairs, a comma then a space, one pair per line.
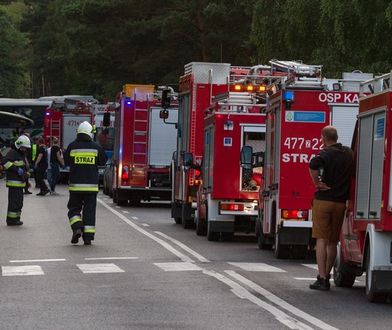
211, 235
201, 225
372, 295
122, 202
300, 251
281, 251
343, 274
227, 237
262, 241
178, 221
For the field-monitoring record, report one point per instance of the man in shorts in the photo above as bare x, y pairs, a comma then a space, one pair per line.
331, 172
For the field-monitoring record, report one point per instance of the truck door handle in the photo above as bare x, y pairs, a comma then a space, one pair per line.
373, 213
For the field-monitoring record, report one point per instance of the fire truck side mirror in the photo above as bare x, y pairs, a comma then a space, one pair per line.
164, 114
187, 160
246, 157
165, 101
106, 119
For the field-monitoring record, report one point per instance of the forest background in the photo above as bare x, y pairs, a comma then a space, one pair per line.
57, 47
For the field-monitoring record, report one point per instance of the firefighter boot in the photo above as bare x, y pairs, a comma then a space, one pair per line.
87, 239
76, 235
14, 223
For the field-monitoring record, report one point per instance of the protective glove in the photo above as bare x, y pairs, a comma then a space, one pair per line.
21, 171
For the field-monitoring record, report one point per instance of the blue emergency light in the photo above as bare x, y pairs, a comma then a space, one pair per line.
288, 96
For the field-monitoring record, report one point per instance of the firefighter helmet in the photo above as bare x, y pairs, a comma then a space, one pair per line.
22, 141
86, 128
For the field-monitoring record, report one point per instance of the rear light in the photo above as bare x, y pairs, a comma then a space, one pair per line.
237, 88
295, 214
197, 173
125, 173
231, 207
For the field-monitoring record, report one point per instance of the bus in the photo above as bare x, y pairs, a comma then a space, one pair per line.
33, 109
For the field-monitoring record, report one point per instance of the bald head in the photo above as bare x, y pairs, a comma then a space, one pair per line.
330, 134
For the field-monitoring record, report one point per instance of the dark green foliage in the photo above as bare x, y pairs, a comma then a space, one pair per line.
95, 46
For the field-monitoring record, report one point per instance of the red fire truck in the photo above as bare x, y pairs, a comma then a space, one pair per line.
301, 106
227, 197
64, 116
143, 146
366, 237
200, 82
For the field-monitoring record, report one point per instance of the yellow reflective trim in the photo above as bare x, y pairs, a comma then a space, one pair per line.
89, 230
19, 163
7, 165
16, 184
33, 151
83, 189
84, 152
75, 220
13, 215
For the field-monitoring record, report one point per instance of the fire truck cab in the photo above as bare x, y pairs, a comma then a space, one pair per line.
366, 237
234, 137
299, 107
143, 146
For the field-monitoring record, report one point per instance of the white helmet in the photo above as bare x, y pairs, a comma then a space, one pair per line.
86, 128
22, 141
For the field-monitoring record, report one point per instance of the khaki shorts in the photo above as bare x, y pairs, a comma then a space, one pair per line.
327, 219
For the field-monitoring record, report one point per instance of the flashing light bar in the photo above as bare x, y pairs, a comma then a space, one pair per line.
249, 88
295, 215
231, 207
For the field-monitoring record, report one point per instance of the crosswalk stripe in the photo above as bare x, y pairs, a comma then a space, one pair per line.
99, 268
177, 266
21, 270
256, 267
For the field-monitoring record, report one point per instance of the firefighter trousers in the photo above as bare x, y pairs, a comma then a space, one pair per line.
15, 204
81, 212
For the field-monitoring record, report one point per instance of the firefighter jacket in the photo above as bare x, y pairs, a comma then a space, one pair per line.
14, 163
83, 156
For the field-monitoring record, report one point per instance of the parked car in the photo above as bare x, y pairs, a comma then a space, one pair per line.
107, 178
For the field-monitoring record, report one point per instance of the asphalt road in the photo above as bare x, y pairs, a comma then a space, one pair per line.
145, 272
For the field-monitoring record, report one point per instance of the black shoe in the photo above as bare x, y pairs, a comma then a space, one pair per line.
87, 241
321, 284
76, 235
27, 192
43, 193
14, 223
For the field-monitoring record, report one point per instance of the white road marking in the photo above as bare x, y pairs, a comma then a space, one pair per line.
145, 225
311, 266
280, 302
113, 258
126, 212
37, 260
177, 266
99, 268
21, 270
257, 267
118, 207
135, 218
167, 246
243, 293
313, 279
184, 247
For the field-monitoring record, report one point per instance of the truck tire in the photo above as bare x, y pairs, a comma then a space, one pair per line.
372, 295
299, 251
262, 241
227, 236
212, 236
201, 224
281, 251
343, 274
178, 221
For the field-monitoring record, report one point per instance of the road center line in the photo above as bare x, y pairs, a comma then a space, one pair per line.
183, 246
167, 246
37, 260
280, 302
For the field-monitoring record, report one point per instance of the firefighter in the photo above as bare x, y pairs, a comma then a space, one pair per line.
15, 166
83, 156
